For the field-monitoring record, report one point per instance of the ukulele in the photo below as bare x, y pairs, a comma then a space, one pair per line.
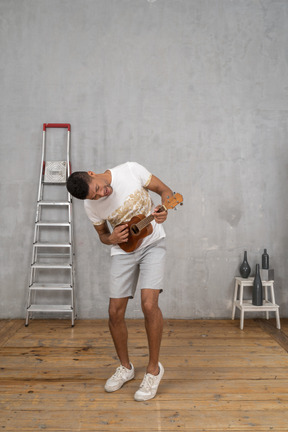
140, 226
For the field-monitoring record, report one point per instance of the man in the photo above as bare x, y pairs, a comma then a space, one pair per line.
116, 196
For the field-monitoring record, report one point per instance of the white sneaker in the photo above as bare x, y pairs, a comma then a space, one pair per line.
119, 378
149, 386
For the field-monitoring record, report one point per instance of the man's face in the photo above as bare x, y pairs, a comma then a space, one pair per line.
98, 188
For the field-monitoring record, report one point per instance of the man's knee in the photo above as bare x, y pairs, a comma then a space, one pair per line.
117, 308
149, 303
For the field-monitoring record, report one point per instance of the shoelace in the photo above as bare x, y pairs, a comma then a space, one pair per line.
118, 373
147, 382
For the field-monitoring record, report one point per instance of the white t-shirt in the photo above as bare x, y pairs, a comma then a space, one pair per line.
129, 198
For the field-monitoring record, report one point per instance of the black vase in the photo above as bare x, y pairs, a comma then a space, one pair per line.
257, 296
245, 269
265, 260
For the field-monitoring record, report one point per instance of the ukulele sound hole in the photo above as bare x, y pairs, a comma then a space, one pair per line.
134, 230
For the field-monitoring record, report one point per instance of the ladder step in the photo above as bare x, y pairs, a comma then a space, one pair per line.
50, 286
45, 256
54, 203
54, 182
55, 224
51, 266
49, 308
52, 245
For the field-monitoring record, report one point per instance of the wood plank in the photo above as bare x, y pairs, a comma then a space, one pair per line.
36, 404
244, 389
175, 361
187, 348
170, 374
145, 419
176, 341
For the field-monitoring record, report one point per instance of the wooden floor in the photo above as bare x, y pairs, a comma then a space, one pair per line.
217, 377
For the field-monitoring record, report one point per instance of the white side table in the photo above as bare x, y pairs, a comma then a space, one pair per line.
247, 306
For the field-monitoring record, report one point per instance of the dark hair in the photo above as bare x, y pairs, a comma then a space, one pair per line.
78, 184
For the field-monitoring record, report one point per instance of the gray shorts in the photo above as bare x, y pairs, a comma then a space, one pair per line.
144, 266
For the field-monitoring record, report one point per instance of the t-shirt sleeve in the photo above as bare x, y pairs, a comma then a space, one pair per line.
141, 173
93, 218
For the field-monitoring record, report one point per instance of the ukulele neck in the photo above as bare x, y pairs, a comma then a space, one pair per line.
147, 220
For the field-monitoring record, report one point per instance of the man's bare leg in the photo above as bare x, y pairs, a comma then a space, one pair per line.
118, 329
154, 327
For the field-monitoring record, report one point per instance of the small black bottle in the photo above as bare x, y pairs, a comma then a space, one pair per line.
257, 296
265, 260
245, 268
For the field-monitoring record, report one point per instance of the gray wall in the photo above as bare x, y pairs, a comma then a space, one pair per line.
195, 90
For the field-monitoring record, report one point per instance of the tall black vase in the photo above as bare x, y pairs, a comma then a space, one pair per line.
265, 260
257, 295
245, 268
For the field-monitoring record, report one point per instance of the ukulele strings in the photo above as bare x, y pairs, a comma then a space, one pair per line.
144, 222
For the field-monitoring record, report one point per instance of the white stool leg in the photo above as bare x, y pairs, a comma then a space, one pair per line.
278, 319
272, 293
234, 300
274, 302
241, 294
241, 304
266, 299
242, 319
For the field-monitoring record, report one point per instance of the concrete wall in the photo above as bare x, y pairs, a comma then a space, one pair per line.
195, 90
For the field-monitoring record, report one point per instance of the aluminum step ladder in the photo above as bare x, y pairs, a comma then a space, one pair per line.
52, 277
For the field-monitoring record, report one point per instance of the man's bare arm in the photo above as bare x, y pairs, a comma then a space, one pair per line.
119, 234
157, 186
